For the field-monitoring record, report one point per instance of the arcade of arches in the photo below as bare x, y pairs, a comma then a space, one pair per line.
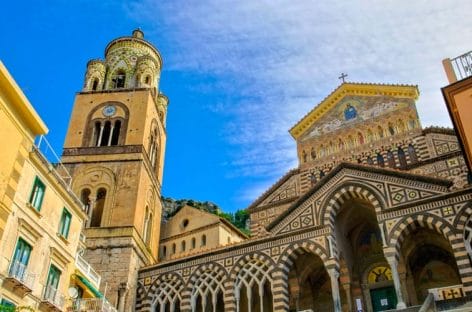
339, 257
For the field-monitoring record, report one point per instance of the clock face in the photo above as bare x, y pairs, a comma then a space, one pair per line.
379, 274
109, 110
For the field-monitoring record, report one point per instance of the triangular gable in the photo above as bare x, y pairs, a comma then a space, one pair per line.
195, 219
393, 187
343, 105
285, 188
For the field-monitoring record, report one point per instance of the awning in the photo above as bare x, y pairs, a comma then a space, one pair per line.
89, 285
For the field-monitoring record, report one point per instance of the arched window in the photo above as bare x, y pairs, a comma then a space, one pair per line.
97, 133
401, 158
164, 251
380, 160
412, 154
204, 240
118, 80
147, 80
97, 212
400, 126
412, 124
370, 136
95, 84
147, 226
154, 148
173, 248
193, 242
322, 174
369, 160
85, 199
116, 133
105, 137
390, 159
380, 132
391, 129
360, 138
183, 246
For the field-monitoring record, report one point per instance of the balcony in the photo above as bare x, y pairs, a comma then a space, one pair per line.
91, 305
52, 300
86, 269
19, 279
458, 68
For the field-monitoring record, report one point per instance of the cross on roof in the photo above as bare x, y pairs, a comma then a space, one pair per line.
343, 75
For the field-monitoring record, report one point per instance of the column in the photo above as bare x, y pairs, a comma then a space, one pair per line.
396, 281
111, 134
122, 291
280, 290
100, 135
334, 275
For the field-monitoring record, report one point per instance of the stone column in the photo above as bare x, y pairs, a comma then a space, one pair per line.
334, 275
347, 289
122, 292
396, 281
280, 291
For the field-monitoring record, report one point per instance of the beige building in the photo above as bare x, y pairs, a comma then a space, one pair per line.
40, 262
191, 231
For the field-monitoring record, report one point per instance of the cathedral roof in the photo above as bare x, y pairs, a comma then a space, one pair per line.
359, 167
351, 88
274, 187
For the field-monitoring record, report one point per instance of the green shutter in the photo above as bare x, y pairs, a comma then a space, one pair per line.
37, 194
64, 225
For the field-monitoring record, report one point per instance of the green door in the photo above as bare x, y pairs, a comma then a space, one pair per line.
383, 298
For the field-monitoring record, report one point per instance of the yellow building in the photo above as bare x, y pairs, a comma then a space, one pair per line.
193, 231
19, 126
42, 220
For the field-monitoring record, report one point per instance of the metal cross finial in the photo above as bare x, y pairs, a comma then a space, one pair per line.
343, 75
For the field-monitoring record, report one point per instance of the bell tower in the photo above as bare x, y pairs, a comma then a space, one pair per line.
114, 150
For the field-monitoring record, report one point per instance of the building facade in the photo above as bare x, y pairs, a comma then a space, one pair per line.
114, 151
375, 217
39, 259
192, 231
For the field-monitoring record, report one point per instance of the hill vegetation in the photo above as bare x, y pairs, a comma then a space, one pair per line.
171, 206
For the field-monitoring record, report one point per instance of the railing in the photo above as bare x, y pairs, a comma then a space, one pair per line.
53, 297
448, 292
87, 270
459, 67
19, 272
92, 305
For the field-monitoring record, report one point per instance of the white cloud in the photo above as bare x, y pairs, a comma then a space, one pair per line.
283, 57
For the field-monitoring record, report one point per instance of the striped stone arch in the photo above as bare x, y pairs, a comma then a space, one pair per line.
140, 296
463, 226
285, 263
165, 290
207, 278
346, 191
408, 224
241, 268
462, 217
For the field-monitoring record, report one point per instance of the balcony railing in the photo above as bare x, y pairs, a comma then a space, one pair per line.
458, 68
92, 305
53, 297
86, 269
19, 272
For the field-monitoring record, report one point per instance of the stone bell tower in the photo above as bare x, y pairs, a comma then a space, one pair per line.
114, 150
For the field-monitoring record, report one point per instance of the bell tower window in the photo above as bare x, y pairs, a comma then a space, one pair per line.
97, 212
118, 81
95, 84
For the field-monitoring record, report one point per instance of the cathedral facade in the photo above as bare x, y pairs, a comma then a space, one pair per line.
376, 216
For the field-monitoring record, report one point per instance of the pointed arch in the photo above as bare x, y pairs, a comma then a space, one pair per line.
204, 285
165, 292
291, 253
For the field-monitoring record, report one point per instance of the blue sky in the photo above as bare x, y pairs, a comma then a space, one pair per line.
238, 74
